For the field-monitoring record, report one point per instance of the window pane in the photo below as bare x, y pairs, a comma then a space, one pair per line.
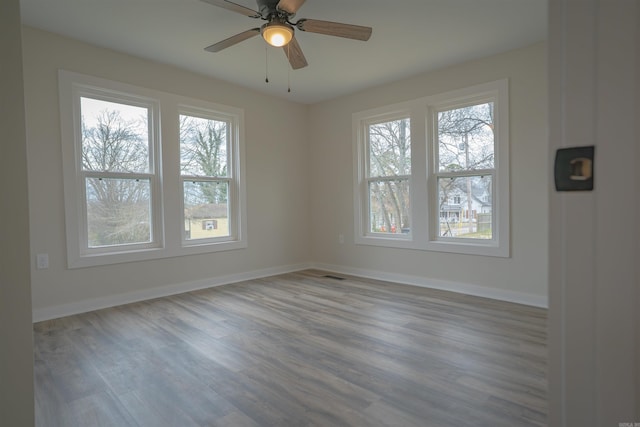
206, 210
118, 211
465, 207
115, 137
203, 147
465, 138
389, 206
390, 148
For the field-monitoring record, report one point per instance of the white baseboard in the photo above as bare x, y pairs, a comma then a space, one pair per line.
84, 306
445, 285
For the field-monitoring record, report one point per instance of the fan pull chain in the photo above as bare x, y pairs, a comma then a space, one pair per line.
266, 65
289, 68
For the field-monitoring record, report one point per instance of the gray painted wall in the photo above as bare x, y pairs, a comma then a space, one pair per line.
16, 354
594, 257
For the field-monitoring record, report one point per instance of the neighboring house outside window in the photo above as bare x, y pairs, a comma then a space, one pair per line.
115, 188
465, 154
456, 188
206, 174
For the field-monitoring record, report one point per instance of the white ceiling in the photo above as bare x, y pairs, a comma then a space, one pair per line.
409, 37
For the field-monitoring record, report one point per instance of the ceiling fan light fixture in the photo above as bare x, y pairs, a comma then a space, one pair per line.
277, 34
278, 31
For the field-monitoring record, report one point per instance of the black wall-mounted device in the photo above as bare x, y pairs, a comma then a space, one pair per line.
574, 169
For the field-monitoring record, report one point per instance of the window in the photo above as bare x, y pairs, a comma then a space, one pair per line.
115, 188
118, 171
465, 168
433, 173
206, 176
388, 173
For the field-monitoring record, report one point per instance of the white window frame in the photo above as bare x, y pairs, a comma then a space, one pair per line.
368, 179
167, 212
425, 214
233, 158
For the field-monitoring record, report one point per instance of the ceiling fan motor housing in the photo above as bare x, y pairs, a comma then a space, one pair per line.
268, 9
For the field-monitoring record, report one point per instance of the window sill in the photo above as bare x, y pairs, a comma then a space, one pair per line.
482, 248
120, 257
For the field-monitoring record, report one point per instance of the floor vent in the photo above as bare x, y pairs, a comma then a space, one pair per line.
329, 276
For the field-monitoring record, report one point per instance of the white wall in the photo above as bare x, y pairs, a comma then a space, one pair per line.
594, 257
522, 277
16, 347
276, 171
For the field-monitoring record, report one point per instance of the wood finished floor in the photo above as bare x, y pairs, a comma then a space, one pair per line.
296, 350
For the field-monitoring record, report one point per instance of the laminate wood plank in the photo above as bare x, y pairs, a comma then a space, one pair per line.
167, 400
236, 419
150, 410
388, 415
50, 408
101, 409
260, 402
73, 376
297, 349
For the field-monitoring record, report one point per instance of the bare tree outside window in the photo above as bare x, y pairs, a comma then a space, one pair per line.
204, 163
389, 170
466, 162
203, 147
115, 161
137, 162
433, 173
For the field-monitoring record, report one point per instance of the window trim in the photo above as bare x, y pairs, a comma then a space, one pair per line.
153, 174
423, 182
233, 192
362, 121
400, 114
166, 206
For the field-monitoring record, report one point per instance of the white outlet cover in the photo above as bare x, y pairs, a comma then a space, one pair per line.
42, 261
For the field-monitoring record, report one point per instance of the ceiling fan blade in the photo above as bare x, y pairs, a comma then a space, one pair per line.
294, 54
290, 6
234, 7
337, 29
217, 47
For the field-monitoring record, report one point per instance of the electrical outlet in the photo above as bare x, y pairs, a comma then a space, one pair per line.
341, 238
42, 261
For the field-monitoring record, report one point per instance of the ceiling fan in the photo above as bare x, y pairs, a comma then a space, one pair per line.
278, 31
